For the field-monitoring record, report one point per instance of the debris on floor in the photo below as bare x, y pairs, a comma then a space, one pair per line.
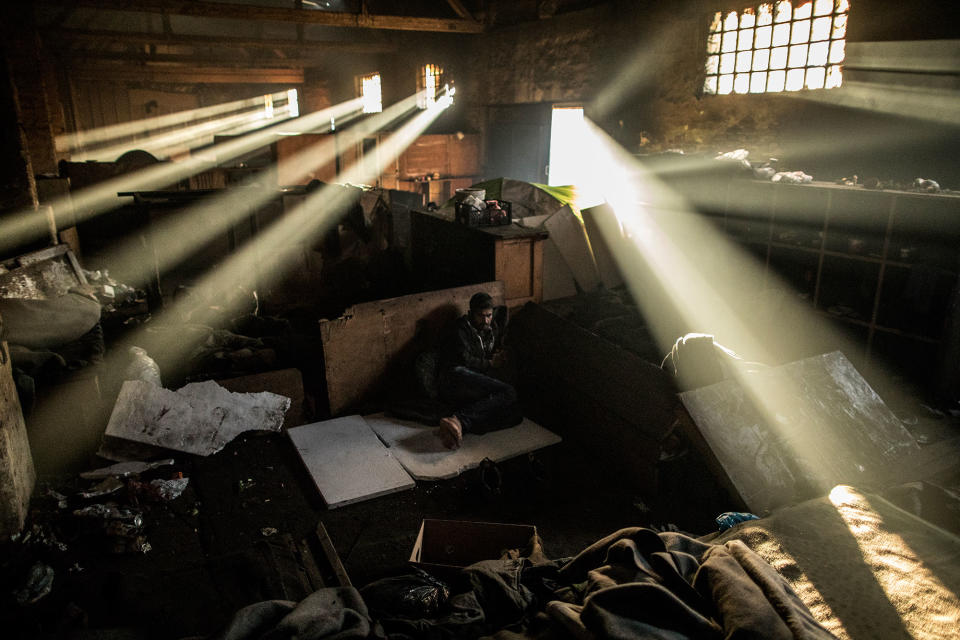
199, 418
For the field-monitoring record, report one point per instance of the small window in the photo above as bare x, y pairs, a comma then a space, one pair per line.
777, 46
368, 88
429, 81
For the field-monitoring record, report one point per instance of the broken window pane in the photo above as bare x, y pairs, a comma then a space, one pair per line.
842, 6
822, 7
783, 11
765, 16
758, 82
744, 60
837, 50
781, 35
713, 42
761, 59
742, 83
803, 11
725, 85
798, 55
801, 32
727, 61
776, 81
778, 58
815, 77
839, 27
748, 19
821, 29
730, 22
818, 53
834, 77
713, 65
795, 79
710, 84
715, 23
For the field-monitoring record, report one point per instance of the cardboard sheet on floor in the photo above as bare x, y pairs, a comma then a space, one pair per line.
347, 461
829, 428
419, 450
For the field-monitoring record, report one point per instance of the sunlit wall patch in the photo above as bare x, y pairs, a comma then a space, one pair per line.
776, 46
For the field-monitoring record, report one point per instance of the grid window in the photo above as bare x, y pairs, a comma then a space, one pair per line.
429, 81
777, 46
369, 90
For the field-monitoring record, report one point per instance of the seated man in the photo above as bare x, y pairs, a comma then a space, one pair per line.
470, 357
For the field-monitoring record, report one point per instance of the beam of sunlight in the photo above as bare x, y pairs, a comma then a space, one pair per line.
180, 235
162, 146
266, 257
920, 103
688, 277
899, 571
23, 226
69, 142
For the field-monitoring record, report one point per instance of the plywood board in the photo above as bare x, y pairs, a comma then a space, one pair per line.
17, 474
347, 461
567, 231
828, 427
422, 454
372, 339
558, 280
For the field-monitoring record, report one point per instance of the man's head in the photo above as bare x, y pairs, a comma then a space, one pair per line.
481, 310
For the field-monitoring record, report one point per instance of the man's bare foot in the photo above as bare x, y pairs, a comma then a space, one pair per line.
451, 432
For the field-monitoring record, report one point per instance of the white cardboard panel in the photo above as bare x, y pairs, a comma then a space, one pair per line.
347, 461
420, 451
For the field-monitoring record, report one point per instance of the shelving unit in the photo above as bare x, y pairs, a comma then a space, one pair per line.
882, 265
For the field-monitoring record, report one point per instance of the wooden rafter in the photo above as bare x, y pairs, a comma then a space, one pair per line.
201, 9
459, 8
101, 36
205, 60
186, 74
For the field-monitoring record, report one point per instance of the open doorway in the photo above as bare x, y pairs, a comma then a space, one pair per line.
569, 164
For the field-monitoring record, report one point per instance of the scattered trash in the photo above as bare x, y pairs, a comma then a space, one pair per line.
266, 532
170, 489
413, 596
926, 186
110, 511
142, 367
59, 497
792, 177
933, 411
731, 518
199, 418
39, 583
124, 469
246, 483
850, 181
106, 487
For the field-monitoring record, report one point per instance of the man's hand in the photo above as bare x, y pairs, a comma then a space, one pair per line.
499, 359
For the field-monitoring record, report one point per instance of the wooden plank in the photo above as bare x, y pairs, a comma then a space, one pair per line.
567, 231
419, 449
331, 554
305, 46
197, 74
347, 461
17, 474
373, 341
198, 8
829, 428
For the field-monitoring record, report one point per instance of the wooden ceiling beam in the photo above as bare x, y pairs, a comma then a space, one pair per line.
192, 59
186, 75
201, 9
101, 36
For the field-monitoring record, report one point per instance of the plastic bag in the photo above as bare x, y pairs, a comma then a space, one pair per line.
413, 596
142, 367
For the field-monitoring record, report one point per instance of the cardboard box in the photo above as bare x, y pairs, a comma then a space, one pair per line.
443, 547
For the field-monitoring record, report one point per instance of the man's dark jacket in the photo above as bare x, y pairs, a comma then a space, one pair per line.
468, 347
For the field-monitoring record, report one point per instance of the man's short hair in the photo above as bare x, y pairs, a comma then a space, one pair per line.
480, 301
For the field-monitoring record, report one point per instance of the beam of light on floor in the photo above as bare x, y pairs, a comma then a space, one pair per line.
27, 225
70, 142
179, 235
162, 146
267, 257
687, 277
897, 568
